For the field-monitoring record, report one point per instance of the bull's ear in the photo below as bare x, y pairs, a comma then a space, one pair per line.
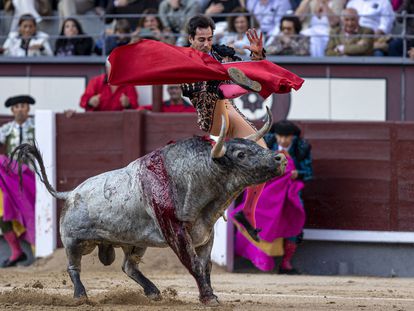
265, 128
219, 149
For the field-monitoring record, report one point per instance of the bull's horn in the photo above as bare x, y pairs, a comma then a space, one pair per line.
219, 150
265, 128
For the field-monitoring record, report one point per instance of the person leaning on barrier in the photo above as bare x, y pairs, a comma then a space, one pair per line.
289, 41
27, 41
16, 202
379, 16
350, 39
69, 44
101, 96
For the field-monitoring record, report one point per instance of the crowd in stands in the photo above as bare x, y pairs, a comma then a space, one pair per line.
291, 27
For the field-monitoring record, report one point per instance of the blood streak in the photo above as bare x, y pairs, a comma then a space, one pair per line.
163, 205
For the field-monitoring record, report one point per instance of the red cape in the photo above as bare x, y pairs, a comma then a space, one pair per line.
150, 62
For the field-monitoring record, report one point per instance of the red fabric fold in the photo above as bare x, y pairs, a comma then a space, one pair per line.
150, 62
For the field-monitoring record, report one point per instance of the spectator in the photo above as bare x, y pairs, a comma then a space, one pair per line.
27, 41
216, 7
350, 39
284, 136
237, 28
175, 13
151, 23
68, 8
411, 53
176, 103
396, 46
100, 96
37, 8
269, 13
69, 43
379, 16
117, 7
120, 36
289, 41
17, 204
319, 16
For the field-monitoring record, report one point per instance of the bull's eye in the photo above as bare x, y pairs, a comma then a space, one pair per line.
241, 155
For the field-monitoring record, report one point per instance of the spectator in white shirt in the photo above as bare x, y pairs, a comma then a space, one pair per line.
268, 12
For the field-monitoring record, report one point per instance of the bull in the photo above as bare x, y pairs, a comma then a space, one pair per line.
172, 197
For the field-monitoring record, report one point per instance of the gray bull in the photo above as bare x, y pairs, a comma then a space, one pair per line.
171, 197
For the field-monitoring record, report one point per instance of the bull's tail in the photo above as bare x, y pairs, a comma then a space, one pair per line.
30, 154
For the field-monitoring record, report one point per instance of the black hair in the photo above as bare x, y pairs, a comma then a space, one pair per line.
295, 20
199, 21
27, 17
77, 25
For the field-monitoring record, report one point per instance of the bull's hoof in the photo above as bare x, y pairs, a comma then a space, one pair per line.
154, 296
80, 294
210, 301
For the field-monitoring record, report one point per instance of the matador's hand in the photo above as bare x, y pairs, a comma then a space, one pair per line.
256, 42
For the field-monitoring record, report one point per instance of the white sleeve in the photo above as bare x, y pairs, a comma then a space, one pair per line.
387, 17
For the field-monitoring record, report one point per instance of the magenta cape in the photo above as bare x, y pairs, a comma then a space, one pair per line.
279, 213
150, 62
18, 205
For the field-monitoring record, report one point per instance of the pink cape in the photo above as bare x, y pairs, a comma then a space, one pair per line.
150, 62
18, 205
279, 213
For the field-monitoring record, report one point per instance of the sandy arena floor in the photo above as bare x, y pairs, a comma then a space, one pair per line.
46, 286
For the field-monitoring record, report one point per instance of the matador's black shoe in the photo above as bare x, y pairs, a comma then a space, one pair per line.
241, 218
238, 77
11, 263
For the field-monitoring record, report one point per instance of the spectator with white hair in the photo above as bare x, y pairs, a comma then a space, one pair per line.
379, 16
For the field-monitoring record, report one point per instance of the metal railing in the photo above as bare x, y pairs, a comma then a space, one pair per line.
54, 23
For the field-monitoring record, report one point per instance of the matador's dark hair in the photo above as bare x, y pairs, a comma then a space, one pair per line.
199, 21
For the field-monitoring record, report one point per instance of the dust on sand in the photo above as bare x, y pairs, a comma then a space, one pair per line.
46, 286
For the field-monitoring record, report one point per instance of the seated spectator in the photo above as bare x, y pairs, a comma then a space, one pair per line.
215, 7
319, 16
350, 39
176, 103
68, 8
27, 41
100, 96
396, 46
236, 36
69, 44
379, 16
411, 53
17, 204
37, 8
289, 41
120, 36
118, 7
269, 13
175, 13
151, 23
